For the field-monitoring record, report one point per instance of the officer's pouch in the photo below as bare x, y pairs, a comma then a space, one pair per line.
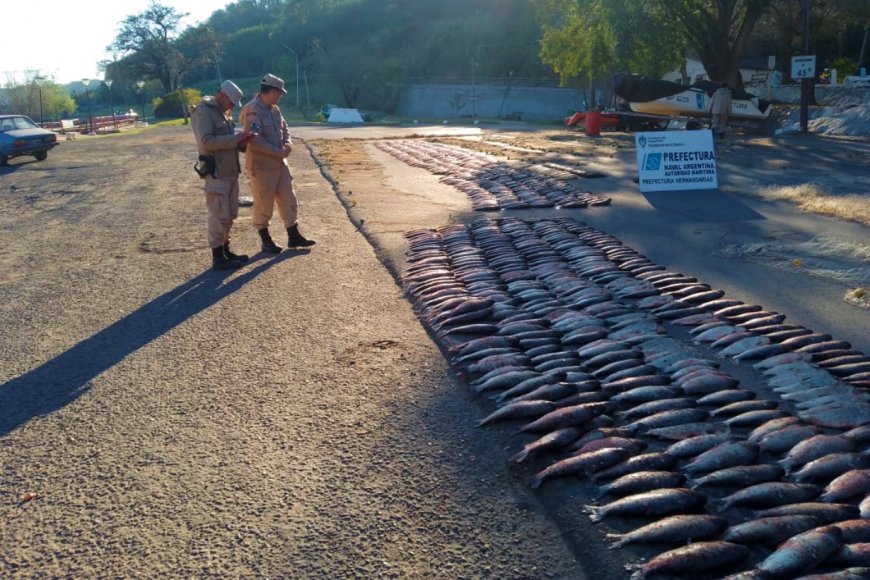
207, 165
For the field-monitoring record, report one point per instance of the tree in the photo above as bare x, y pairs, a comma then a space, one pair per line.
719, 31
24, 99
149, 43
590, 38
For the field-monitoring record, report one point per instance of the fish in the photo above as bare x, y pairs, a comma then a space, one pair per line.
857, 556
770, 531
680, 432
740, 407
659, 502
722, 456
764, 429
641, 481
633, 445
549, 442
505, 380
678, 529
518, 410
803, 551
574, 416
864, 507
556, 392
761, 351
781, 440
668, 419
646, 407
814, 448
779, 359
855, 482
726, 397
580, 465
855, 531
769, 494
696, 445
709, 383
831, 466
752, 419
826, 512
496, 361
693, 559
713, 334
743, 345
634, 464
740, 476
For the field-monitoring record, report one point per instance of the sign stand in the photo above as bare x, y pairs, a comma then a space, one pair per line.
676, 160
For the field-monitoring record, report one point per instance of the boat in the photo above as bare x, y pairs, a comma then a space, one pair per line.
643, 95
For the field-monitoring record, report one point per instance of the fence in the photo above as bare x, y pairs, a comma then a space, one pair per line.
104, 124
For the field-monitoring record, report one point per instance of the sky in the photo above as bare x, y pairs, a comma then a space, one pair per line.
64, 40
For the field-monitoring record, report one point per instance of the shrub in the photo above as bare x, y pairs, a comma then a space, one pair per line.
174, 105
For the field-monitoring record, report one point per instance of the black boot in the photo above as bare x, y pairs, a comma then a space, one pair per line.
221, 262
297, 240
234, 257
268, 245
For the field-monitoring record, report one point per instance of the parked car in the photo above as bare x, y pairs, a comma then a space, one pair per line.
19, 135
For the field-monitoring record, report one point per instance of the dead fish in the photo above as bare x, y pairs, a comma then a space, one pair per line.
672, 530
726, 397
633, 382
770, 531
782, 440
722, 456
803, 551
486, 342
518, 410
752, 419
658, 502
680, 432
695, 445
740, 407
573, 416
743, 345
644, 462
848, 485
715, 333
646, 407
769, 494
856, 556
855, 531
827, 513
695, 558
779, 359
496, 361
761, 351
641, 395
580, 465
864, 507
668, 419
505, 380
764, 429
549, 442
709, 383
830, 466
557, 392
730, 339
629, 444
814, 448
641, 481
740, 476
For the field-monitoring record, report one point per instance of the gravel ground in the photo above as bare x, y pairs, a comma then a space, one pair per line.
289, 419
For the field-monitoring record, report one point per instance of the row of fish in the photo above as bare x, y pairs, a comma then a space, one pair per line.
626, 375
491, 185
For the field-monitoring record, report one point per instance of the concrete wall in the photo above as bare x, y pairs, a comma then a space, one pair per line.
454, 101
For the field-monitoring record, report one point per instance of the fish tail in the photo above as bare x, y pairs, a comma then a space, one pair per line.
536, 480
482, 422
617, 539
596, 514
520, 457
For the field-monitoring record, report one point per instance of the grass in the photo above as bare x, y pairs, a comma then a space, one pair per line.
813, 198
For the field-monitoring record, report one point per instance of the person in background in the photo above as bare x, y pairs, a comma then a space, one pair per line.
720, 108
218, 146
266, 164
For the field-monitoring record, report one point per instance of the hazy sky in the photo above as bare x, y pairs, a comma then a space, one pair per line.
65, 39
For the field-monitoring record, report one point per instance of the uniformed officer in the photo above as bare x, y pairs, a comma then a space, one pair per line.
218, 165
266, 164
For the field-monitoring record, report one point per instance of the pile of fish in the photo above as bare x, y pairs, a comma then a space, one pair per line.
490, 185
731, 440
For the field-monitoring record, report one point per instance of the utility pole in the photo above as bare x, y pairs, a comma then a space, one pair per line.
296, 57
39, 80
805, 83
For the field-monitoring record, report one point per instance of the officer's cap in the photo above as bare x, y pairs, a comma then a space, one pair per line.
232, 91
271, 80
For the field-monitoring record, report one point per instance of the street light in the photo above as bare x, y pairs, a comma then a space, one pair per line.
108, 83
296, 57
39, 81
87, 83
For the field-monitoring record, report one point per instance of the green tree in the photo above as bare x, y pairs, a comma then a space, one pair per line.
150, 47
24, 99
